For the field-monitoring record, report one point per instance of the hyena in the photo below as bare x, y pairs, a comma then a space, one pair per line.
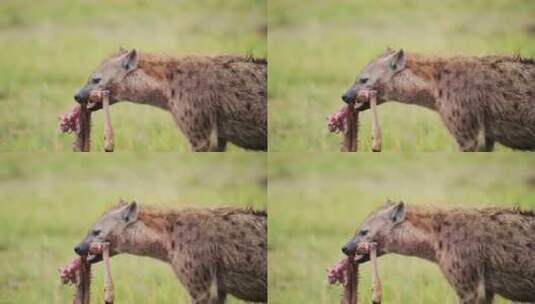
213, 100
481, 100
481, 252
213, 252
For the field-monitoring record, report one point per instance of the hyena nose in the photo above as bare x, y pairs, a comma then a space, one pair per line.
78, 250
346, 98
346, 250
78, 98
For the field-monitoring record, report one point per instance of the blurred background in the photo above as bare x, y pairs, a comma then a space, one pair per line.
48, 203
50, 47
317, 48
317, 201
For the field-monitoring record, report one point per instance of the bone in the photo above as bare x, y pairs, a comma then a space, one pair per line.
108, 131
77, 120
351, 286
345, 121
83, 284
376, 129
68, 272
345, 272
68, 121
376, 282
78, 272
83, 134
350, 141
337, 273
108, 282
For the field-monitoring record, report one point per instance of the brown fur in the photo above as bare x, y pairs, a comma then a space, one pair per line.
213, 100
223, 96
213, 251
481, 252
480, 99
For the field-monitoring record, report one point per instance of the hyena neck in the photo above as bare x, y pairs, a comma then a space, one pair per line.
146, 238
414, 85
413, 237
143, 88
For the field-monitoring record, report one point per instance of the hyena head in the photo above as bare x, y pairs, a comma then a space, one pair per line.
377, 228
375, 76
109, 228
110, 76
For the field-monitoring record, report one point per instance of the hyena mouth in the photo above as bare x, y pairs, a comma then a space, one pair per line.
362, 252
95, 252
94, 102
70, 121
68, 273
338, 273
362, 100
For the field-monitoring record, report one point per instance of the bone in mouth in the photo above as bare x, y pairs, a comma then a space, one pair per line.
346, 121
376, 129
78, 120
376, 282
104, 98
108, 282
345, 272
78, 273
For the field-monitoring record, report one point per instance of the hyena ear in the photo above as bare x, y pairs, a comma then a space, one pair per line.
129, 213
397, 61
122, 50
130, 60
397, 212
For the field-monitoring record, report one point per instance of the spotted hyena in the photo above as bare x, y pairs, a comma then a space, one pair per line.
213, 100
481, 100
481, 252
213, 252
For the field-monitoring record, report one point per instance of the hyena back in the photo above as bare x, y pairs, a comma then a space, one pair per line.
481, 252
213, 252
481, 100
213, 100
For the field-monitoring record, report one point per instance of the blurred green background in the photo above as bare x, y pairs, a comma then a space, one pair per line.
317, 201
317, 48
48, 202
50, 47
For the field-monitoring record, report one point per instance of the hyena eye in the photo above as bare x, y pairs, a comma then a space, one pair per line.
95, 80
363, 232
95, 232
363, 80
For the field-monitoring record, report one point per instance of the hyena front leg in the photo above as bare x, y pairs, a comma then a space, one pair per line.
468, 282
200, 280
470, 292
467, 129
200, 127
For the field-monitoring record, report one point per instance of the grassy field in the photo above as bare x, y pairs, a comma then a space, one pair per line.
316, 49
49, 202
49, 48
317, 201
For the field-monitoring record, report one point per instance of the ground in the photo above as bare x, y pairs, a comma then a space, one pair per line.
317, 48
317, 201
50, 201
49, 48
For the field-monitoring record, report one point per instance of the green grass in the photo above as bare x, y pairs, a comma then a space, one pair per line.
49, 201
316, 49
316, 202
49, 48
